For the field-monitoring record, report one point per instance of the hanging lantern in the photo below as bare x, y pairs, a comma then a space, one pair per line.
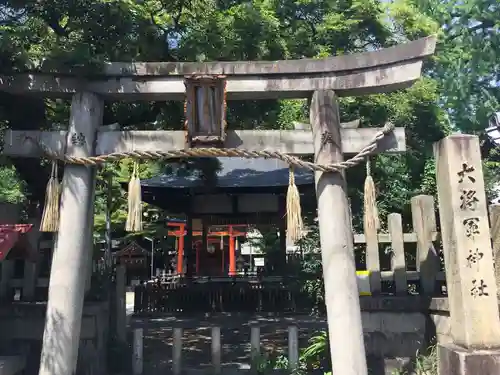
205, 111
210, 249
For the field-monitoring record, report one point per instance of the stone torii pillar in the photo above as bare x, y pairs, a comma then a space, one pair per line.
345, 330
68, 275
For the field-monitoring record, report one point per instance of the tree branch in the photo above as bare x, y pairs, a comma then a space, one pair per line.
485, 24
177, 18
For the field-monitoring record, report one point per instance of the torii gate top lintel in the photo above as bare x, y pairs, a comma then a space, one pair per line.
413, 50
356, 74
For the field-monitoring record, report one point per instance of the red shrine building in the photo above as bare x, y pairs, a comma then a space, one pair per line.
248, 193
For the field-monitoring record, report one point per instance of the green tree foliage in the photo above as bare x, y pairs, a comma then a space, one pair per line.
80, 35
11, 186
467, 62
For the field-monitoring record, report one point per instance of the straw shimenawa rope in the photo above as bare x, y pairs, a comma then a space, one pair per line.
134, 217
50, 217
370, 217
294, 221
221, 152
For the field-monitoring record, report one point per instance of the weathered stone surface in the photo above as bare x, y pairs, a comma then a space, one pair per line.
358, 74
379, 79
472, 291
296, 142
413, 50
70, 258
409, 51
454, 360
337, 248
21, 327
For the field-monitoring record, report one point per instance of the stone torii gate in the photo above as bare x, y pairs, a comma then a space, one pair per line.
326, 79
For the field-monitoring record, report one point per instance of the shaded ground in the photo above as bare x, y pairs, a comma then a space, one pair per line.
235, 338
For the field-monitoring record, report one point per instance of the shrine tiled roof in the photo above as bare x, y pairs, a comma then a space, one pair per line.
133, 248
238, 173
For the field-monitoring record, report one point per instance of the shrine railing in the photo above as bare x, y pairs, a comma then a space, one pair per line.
397, 261
224, 295
391, 262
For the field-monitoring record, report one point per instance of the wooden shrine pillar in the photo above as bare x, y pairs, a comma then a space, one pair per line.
223, 259
180, 250
188, 250
337, 249
61, 336
232, 253
470, 275
204, 244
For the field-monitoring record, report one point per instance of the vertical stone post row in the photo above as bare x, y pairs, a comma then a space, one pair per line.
337, 253
472, 291
424, 225
68, 275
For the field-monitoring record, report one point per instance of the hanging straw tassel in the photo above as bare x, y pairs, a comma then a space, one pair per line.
294, 224
134, 217
222, 242
50, 217
370, 219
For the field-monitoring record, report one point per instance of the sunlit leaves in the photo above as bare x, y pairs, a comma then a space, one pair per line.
11, 186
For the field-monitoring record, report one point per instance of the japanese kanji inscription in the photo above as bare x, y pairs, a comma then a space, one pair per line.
78, 139
469, 202
479, 288
474, 257
466, 172
472, 290
471, 225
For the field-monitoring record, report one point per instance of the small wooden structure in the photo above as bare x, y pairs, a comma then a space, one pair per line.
246, 192
135, 259
205, 110
132, 255
14, 245
12, 237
